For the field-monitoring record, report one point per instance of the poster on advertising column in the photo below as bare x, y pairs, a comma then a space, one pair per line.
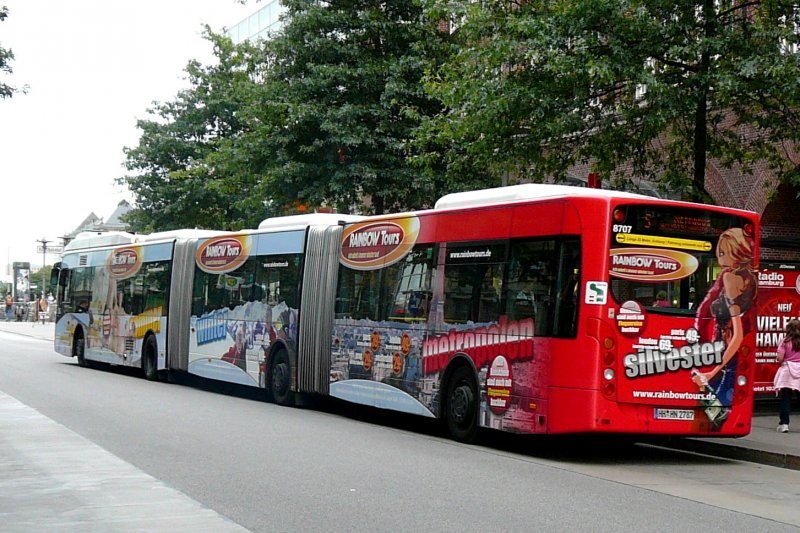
778, 302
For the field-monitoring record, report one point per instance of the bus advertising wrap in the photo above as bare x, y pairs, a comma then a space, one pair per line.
532, 308
223, 254
686, 314
125, 301
125, 262
397, 363
378, 244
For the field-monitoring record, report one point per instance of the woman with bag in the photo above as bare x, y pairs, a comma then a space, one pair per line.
787, 378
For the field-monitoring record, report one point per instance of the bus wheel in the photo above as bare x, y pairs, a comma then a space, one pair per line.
281, 379
78, 350
461, 409
149, 351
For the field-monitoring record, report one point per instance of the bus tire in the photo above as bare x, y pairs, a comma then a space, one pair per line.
280, 379
461, 406
79, 350
149, 354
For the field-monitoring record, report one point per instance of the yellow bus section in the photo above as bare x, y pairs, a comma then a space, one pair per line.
663, 242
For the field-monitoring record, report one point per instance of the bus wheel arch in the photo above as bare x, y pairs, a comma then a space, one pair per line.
461, 399
150, 357
279, 376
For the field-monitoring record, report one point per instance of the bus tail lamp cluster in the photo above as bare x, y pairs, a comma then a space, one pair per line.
740, 392
609, 374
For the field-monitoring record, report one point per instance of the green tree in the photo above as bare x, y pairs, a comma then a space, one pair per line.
634, 88
344, 95
6, 56
42, 275
176, 173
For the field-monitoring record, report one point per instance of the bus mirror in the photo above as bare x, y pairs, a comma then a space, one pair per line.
54, 275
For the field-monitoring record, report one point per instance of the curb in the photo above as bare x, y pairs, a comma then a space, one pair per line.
731, 451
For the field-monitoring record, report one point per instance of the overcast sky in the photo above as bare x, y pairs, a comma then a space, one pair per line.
92, 68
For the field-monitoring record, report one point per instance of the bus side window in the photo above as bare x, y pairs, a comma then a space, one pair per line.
357, 294
63, 296
275, 280
407, 286
472, 289
569, 281
531, 286
209, 293
79, 291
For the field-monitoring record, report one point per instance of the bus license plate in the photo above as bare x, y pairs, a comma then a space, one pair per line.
674, 414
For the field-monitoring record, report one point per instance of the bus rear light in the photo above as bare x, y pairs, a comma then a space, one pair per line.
748, 229
744, 365
608, 373
740, 395
741, 381
619, 215
608, 358
608, 343
609, 389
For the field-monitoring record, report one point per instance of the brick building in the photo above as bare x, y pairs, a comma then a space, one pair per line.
777, 204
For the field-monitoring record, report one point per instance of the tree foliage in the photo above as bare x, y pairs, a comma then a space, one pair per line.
345, 79
322, 114
6, 57
634, 88
365, 104
182, 173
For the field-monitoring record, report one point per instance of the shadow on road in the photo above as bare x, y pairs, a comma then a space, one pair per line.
579, 449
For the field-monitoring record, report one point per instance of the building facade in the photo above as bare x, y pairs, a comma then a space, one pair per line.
259, 25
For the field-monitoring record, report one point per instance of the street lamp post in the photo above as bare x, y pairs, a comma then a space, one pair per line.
38, 304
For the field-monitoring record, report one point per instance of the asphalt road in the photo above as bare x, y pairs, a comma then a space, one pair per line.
332, 467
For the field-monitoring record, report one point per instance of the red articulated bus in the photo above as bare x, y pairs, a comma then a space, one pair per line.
552, 309
530, 309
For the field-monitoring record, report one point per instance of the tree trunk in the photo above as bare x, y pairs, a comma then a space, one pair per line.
700, 147
699, 193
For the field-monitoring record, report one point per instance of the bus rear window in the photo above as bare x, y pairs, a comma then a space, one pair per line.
665, 258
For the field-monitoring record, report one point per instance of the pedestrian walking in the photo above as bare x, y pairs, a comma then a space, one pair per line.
42, 308
787, 378
9, 307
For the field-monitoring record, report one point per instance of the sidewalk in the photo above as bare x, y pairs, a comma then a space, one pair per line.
763, 445
47, 484
30, 329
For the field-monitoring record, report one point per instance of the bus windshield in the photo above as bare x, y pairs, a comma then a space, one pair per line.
664, 257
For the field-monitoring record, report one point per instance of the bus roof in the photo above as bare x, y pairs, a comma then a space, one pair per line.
526, 191
95, 239
310, 219
181, 234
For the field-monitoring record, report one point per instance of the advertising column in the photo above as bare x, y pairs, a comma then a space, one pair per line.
778, 302
22, 282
